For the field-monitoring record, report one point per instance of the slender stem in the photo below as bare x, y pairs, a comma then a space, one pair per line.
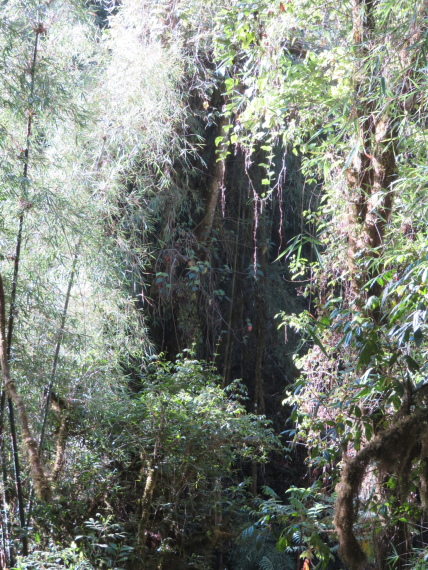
58, 344
229, 343
7, 558
12, 313
18, 480
54, 366
17, 258
216, 181
146, 501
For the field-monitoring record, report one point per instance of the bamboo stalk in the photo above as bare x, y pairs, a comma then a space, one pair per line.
8, 342
59, 342
40, 482
63, 431
6, 560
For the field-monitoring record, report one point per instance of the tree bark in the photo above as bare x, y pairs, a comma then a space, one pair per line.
373, 170
370, 187
146, 501
216, 181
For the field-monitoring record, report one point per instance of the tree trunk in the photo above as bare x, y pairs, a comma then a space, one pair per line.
373, 169
146, 501
259, 402
232, 303
216, 182
370, 197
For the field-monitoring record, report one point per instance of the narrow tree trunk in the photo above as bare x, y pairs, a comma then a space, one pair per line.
7, 558
216, 182
62, 409
59, 342
146, 501
259, 402
229, 340
40, 482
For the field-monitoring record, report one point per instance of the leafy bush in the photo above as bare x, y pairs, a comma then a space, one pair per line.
55, 559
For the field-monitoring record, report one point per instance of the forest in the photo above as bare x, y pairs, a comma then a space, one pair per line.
214, 284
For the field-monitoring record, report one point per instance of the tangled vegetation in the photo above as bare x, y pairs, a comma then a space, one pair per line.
213, 284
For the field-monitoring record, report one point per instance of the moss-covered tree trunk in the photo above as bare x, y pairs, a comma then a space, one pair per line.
370, 195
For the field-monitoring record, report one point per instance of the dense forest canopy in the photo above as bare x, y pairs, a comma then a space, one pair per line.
213, 284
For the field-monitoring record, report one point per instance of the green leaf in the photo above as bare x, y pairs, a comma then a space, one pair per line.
418, 337
282, 543
318, 343
368, 430
412, 364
